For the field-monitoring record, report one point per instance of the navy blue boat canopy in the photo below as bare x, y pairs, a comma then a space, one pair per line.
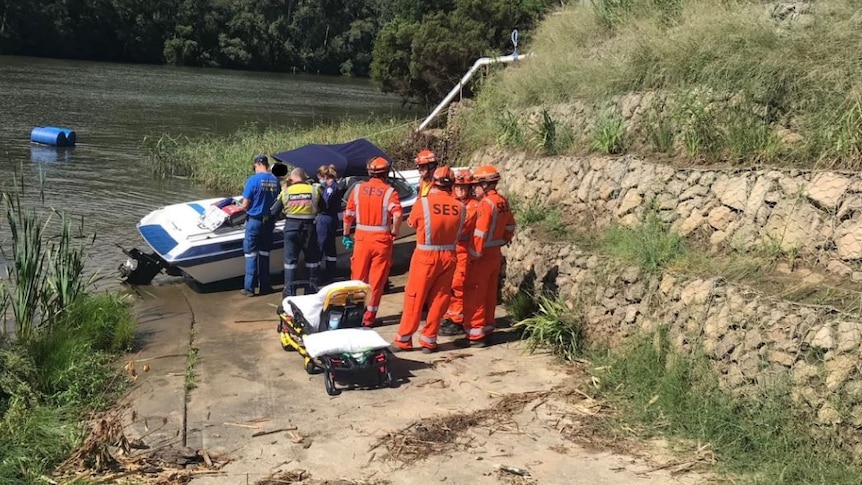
349, 158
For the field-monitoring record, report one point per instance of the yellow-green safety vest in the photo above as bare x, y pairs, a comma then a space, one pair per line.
300, 201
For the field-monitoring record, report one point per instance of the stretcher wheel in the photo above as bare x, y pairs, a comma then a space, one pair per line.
384, 377
329, 383
310, 366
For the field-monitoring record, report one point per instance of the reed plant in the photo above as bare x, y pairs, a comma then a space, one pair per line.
223, 163
58, 362
800, 75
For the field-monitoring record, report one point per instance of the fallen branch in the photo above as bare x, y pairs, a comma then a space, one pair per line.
240, 425
264, 433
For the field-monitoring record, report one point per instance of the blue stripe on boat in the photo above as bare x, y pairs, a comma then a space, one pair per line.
158, 238
197, 207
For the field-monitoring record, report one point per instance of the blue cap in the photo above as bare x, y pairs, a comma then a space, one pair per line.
261, 159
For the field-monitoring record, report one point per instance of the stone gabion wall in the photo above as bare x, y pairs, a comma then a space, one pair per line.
816, 215
751, 338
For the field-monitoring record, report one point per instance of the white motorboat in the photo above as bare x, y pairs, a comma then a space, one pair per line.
203, 242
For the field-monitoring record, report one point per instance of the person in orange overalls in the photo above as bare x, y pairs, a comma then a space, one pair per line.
375, 207
440, 221
453, 322
495, 227
426, 162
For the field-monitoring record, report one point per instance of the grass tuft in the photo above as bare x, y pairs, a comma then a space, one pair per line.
554, 327
651, 244
521, 306
609, 135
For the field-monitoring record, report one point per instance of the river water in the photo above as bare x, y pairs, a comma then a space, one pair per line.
112, 107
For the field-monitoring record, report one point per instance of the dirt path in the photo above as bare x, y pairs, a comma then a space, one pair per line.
479, 408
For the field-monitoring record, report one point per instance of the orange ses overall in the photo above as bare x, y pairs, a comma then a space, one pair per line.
455, 314
373, 205
440, 221
495, 227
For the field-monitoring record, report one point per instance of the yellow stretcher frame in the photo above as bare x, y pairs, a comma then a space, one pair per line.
292, 338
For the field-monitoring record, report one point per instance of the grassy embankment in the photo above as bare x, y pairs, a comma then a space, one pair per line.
729, 84
727, 81
758, 438
57, 364
224, 163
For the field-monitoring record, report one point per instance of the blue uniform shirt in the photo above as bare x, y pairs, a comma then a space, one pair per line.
331, 199
261, 190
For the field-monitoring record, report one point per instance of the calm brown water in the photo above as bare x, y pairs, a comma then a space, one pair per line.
112, 107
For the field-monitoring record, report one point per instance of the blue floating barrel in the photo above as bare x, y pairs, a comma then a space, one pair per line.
51, 135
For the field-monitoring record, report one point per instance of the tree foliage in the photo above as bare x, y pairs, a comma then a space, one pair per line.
422, 52
415, 49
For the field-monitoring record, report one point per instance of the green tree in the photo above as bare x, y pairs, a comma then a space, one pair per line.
422, 59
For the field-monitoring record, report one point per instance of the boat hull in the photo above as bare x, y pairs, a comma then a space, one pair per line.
178, 235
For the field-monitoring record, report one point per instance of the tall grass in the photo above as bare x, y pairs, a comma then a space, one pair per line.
223, 163
726, 54
57, 364
763, 436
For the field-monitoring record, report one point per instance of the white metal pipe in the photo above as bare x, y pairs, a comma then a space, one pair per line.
482, 61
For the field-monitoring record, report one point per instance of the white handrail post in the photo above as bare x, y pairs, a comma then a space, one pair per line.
483, 61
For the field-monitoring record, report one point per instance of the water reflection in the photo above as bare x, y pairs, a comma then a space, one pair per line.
49, 154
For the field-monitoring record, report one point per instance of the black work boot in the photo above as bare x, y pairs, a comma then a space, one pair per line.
450, 328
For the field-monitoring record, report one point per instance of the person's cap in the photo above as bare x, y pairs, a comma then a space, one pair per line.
261, 159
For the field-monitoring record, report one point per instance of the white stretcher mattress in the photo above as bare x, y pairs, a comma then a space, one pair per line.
311, 305
343, 341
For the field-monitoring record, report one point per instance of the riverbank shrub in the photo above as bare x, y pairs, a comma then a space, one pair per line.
223, 163
56, 365
741, 81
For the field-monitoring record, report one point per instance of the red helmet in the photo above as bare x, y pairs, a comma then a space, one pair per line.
444, 177
486, 173
377, 165
425, 157
464, 178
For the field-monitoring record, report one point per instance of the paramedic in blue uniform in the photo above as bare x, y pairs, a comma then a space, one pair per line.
327, 220
260, 192
299, 202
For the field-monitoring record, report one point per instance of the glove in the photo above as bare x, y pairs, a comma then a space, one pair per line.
347, 242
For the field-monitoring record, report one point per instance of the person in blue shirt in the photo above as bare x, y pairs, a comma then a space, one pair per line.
327, 220
260, 192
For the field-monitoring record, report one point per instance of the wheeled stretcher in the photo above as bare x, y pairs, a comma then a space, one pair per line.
325, 328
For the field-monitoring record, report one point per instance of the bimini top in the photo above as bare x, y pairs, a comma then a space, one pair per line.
349, 158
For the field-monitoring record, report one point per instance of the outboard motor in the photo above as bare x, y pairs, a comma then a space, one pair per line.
140, 268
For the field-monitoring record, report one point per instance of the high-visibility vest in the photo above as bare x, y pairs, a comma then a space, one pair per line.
372, 205
495, 223
439, 220
425, 188
300, 201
